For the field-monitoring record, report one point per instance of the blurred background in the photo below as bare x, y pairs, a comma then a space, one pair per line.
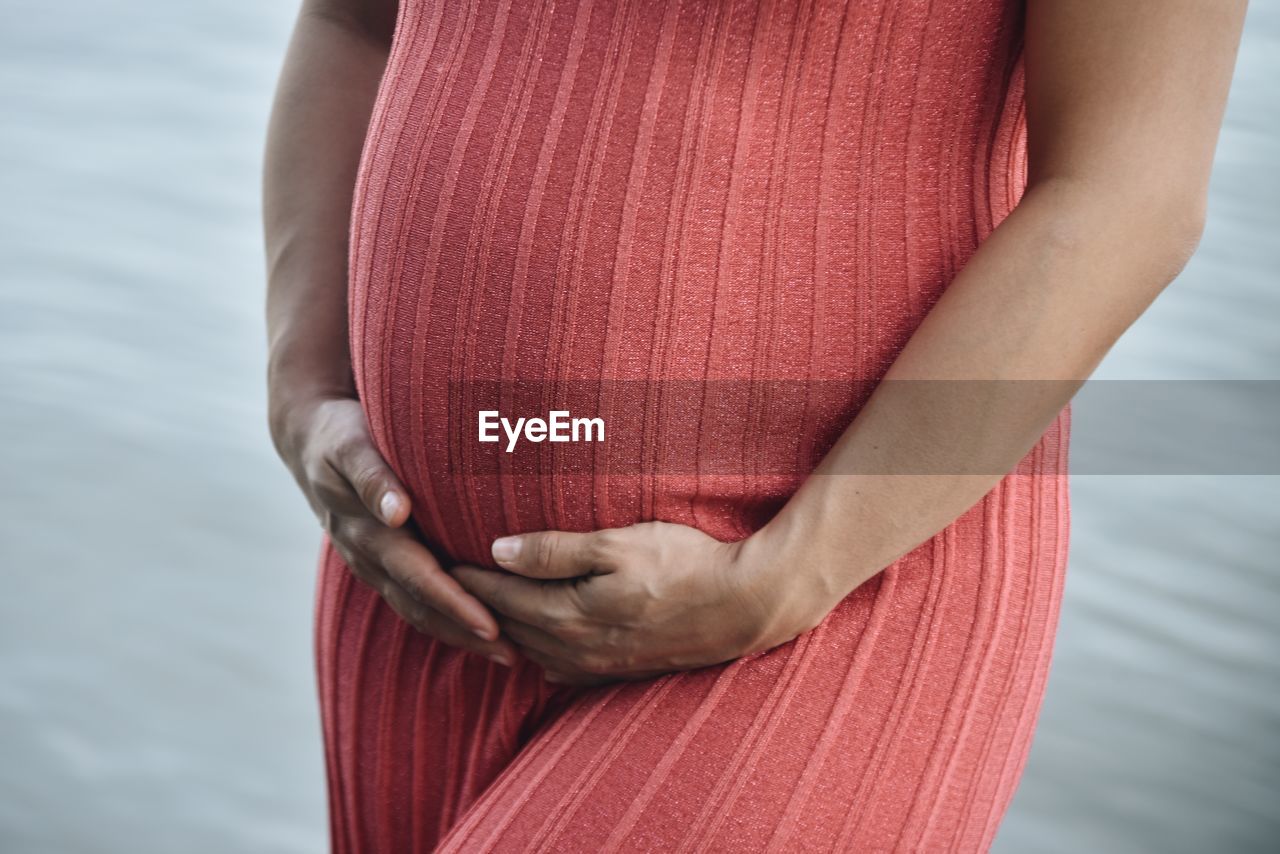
156, 680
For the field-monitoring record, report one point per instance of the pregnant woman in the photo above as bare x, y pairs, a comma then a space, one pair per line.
828, 272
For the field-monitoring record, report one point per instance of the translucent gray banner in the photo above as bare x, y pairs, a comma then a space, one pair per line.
785, 427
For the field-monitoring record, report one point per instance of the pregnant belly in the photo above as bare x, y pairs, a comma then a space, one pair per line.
709, 412
504, 410
509, 258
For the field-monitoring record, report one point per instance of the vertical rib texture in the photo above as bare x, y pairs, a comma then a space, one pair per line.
634, 193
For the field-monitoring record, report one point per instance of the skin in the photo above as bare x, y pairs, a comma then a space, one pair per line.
322, 107
1124, 107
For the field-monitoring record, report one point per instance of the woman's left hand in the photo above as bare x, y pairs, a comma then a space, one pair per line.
635, 602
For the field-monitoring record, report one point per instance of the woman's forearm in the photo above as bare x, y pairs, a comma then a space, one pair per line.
318, 123
321, 115
1002, 351
1124, 103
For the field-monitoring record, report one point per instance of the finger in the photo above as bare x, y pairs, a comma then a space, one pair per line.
356, 563
550, 607
552, 665
396, 553
376, 485
532, 638
578, 680
422, 617
559, 673
578, 662
549, 554
411, 565
333, 493
588, 680
431, 622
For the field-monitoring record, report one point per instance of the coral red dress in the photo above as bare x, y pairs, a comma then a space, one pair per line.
626, 195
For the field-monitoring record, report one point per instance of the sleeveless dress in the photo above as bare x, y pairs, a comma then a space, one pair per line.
626, 194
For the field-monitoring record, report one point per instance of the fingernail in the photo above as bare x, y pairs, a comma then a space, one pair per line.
390, 506
484, 634
499, 658
506, 549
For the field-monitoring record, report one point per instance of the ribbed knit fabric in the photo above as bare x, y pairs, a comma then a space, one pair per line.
641, 191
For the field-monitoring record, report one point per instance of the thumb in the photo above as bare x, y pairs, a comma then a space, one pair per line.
547, 554
373, 480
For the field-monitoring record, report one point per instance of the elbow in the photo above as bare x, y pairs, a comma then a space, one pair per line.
1176, 230
1156, 227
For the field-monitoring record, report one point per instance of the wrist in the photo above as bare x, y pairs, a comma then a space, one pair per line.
308, 354
784, 569
293, 398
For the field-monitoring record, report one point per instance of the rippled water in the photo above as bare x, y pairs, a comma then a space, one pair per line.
155, 670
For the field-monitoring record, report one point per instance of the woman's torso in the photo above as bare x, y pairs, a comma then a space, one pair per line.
710, 223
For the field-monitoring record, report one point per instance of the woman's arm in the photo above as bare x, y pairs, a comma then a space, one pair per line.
323, 102
318, 122
1124, 105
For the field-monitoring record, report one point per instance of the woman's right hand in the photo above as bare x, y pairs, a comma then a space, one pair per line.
362, 504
